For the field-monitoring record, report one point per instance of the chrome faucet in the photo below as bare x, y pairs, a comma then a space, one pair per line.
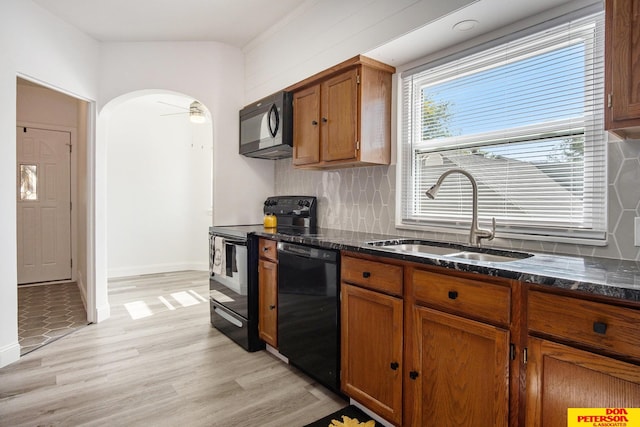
476, 234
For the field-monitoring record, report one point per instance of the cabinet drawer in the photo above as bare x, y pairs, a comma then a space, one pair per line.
372, 274
476, 299
598, 325
268, 249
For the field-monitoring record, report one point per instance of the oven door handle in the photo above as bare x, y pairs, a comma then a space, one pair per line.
229, 241
227, 317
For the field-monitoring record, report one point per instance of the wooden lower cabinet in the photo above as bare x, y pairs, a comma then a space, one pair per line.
457, 373
479, 351
561, 377
372, 350
268, 302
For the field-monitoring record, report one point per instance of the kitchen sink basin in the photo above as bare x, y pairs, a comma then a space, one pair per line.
426, 248
490, 257
422, 248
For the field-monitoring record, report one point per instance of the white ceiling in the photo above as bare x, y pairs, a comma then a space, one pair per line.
238, 22
492, 16
235, 22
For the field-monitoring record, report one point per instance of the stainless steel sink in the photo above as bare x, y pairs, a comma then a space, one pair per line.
422, 247
490, 257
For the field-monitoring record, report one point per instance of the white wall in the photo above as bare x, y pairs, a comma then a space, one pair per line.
159, 188
323, 33
37, 45
213, 74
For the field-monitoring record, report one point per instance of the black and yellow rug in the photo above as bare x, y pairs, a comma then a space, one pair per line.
355, 415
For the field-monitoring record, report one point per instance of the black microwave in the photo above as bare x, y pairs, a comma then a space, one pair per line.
266, 127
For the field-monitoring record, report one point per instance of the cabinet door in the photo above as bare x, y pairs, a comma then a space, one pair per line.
268, 302
371, 347
306, 126
561, 377
339, 121
623, 64
459, 372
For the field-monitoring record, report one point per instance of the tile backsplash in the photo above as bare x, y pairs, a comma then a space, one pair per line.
364, 199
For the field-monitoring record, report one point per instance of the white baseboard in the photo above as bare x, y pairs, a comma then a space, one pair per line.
9, 354
372, 414
102, 313
83, 289
276, 353
153, 269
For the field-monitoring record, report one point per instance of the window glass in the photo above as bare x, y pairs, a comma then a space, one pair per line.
525, 119
28, 182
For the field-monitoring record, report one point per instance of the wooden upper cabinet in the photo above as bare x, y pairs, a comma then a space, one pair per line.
622, 67
339, 121
342, 116
306, 126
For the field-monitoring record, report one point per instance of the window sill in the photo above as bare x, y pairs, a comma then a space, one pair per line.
504, 235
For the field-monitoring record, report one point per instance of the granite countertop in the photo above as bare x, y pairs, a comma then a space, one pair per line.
600, 276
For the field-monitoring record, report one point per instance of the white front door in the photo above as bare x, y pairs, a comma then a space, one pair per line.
44, 205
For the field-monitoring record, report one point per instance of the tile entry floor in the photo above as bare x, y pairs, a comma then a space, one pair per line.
48, 312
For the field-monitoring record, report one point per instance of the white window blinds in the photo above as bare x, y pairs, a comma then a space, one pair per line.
525, 119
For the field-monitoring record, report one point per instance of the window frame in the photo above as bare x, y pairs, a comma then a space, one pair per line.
407, 131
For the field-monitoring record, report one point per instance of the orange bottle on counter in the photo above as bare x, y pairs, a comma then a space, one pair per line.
270, 221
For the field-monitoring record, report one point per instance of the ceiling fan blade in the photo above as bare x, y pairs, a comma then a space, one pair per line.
173, 105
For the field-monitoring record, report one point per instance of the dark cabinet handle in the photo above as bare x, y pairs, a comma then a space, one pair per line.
272, 307
413, 375
324, 120
600, 328
366, 274
314, 122
453, 294
394, 365
265, 249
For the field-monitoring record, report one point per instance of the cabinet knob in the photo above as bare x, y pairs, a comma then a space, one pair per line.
453, 294
600, 328
394, 365
265, 249
314, 122
366, 274
272, 307
324, 120
413, 375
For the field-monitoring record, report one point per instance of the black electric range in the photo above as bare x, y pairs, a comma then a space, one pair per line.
233, 266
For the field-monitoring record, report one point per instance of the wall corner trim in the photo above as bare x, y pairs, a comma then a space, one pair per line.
9, 354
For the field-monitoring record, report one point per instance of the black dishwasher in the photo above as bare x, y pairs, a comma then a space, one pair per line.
308, 310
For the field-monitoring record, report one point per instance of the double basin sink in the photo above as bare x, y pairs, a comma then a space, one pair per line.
449, 251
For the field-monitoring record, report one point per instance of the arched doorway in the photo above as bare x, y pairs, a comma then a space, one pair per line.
159, 168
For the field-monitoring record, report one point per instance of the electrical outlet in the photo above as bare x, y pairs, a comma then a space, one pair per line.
636, 231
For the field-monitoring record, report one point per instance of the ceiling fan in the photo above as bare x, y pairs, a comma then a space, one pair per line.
195, 111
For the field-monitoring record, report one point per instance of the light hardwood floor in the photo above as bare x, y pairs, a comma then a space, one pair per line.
167, 369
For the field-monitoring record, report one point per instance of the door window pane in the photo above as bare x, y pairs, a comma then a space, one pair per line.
28, 182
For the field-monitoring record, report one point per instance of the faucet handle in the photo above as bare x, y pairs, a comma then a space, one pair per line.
483, 233
493, 229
